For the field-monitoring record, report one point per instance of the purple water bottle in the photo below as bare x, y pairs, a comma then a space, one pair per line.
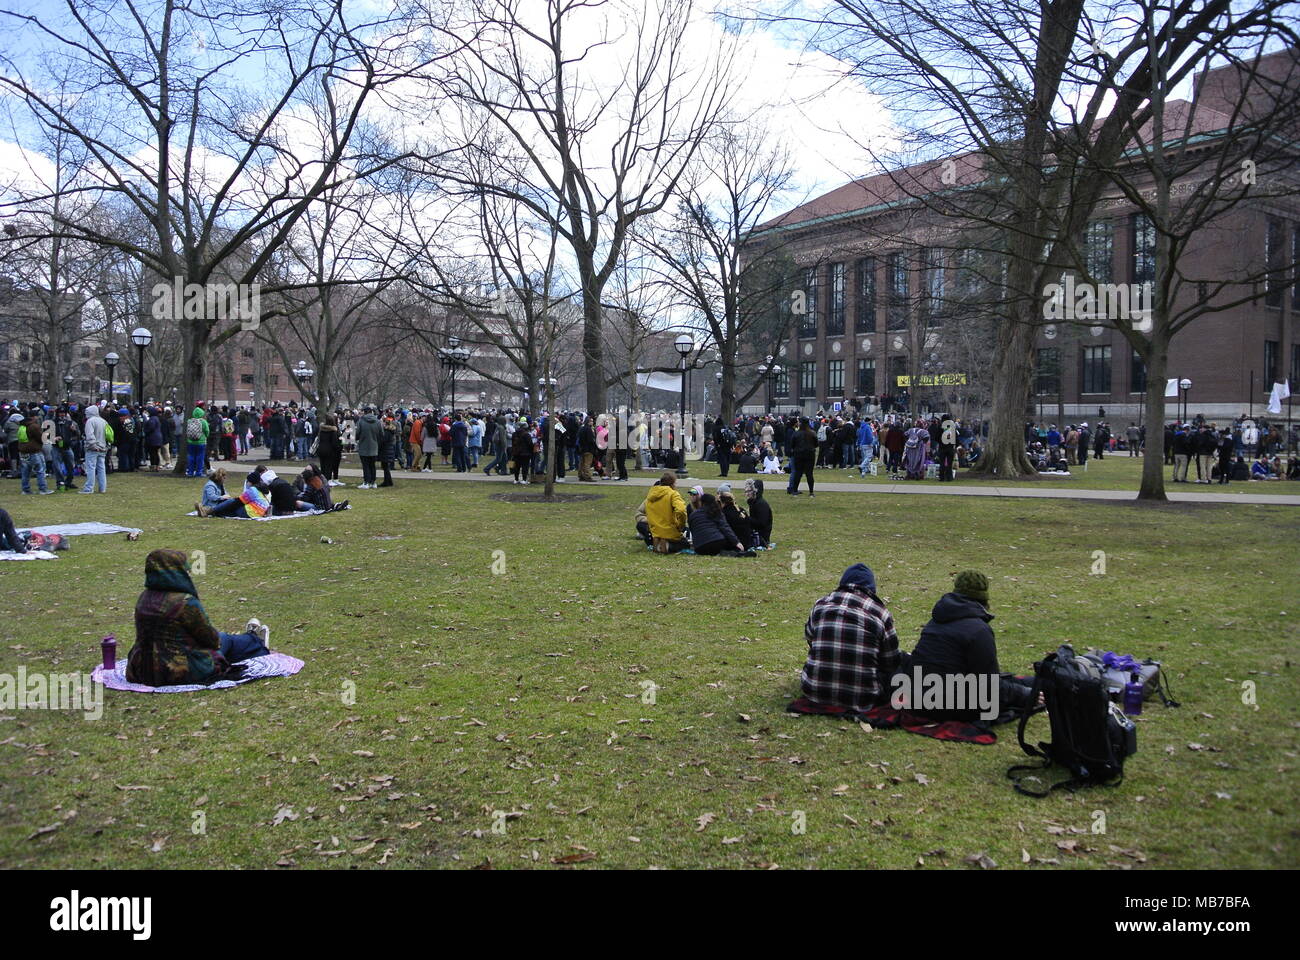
1133, 693
108, 647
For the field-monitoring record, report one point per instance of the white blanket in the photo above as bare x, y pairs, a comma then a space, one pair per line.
29, 555
80, 529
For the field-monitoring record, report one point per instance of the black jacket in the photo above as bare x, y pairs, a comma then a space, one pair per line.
803, 443
957, 640
760, 516
706, 529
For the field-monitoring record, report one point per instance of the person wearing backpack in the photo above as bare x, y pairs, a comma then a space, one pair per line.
196, 443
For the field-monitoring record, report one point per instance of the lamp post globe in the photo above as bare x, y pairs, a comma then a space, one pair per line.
110, 361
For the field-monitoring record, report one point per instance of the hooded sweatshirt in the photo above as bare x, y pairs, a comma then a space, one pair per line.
197, 414
665, 512
96, 439
760, 514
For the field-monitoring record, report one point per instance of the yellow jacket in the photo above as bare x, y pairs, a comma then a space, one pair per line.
665, 511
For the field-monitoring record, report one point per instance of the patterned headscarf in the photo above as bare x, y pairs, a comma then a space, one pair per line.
169, 571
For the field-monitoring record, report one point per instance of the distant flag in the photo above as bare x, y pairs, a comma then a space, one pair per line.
1280, 392
1171, 388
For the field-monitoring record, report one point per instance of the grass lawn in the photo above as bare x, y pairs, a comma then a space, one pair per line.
1114, 472
525, 692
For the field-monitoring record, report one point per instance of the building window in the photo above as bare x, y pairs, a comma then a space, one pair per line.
1143, 234
835, 378
1275, 277
808, 379
866, 313
1137, 376
808, 322
1096, 370
275, 379
835, 315
1295, 268
932, 264
782, 386
1270, 364
246, 378
897, 270
1099, 250
1047, 372
866, 377
897, 369
248, 353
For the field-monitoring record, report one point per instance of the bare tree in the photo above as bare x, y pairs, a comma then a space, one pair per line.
1016, 96
1195, 170
723, 198
198, 109
590, 111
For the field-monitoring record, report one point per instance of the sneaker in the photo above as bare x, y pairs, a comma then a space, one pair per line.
260, 630
202, 511
559, 480
46, 493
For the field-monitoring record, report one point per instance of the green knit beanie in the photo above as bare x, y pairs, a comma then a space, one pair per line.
973, 584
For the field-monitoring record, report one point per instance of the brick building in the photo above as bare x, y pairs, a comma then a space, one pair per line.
891, 307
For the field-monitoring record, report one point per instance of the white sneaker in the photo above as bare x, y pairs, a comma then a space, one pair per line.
559, 479
260, 630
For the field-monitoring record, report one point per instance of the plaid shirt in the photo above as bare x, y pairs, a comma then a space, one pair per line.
852, 650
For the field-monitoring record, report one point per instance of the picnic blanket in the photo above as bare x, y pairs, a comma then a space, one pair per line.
887, 718
79, 529
29, 555
271, 665
285, 516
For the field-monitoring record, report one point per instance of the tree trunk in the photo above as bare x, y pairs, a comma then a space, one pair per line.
1004, 454
1153, 458
592, 346
193, 373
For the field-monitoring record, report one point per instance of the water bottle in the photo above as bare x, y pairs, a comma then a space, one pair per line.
108, 650
1133, 693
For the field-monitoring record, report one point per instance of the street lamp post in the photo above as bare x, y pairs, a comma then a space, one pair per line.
303, 374
1185, 385
110, 361
141, 337
67, 388
684, 345
454, 356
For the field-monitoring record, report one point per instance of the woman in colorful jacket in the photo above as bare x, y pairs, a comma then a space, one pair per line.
175, 643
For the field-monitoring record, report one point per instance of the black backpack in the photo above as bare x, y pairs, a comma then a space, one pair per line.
1090, 736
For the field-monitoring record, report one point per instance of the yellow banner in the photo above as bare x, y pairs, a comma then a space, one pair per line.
934, 380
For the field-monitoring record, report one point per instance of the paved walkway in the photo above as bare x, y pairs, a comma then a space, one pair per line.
774, 484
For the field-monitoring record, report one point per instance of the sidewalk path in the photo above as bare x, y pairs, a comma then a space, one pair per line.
956, 489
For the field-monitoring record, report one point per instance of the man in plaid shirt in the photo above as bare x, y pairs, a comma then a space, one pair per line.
852, 646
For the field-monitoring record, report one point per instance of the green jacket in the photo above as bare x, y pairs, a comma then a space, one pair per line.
197, 414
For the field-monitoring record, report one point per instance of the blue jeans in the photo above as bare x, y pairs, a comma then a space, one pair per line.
241, 646
460, 459
96, 475
195, 460
474, 453
867, 457
65, 462
849, 454
302, 443
34, 463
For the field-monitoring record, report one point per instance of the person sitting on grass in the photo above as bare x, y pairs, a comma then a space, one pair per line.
1260, 470
771, 463
311, 487
175, 642
9, 538
852, 645
958, 642
736, 518
760, 513
711, 535
217, 503
665, 514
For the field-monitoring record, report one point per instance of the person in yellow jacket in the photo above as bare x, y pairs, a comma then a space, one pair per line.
665, 513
